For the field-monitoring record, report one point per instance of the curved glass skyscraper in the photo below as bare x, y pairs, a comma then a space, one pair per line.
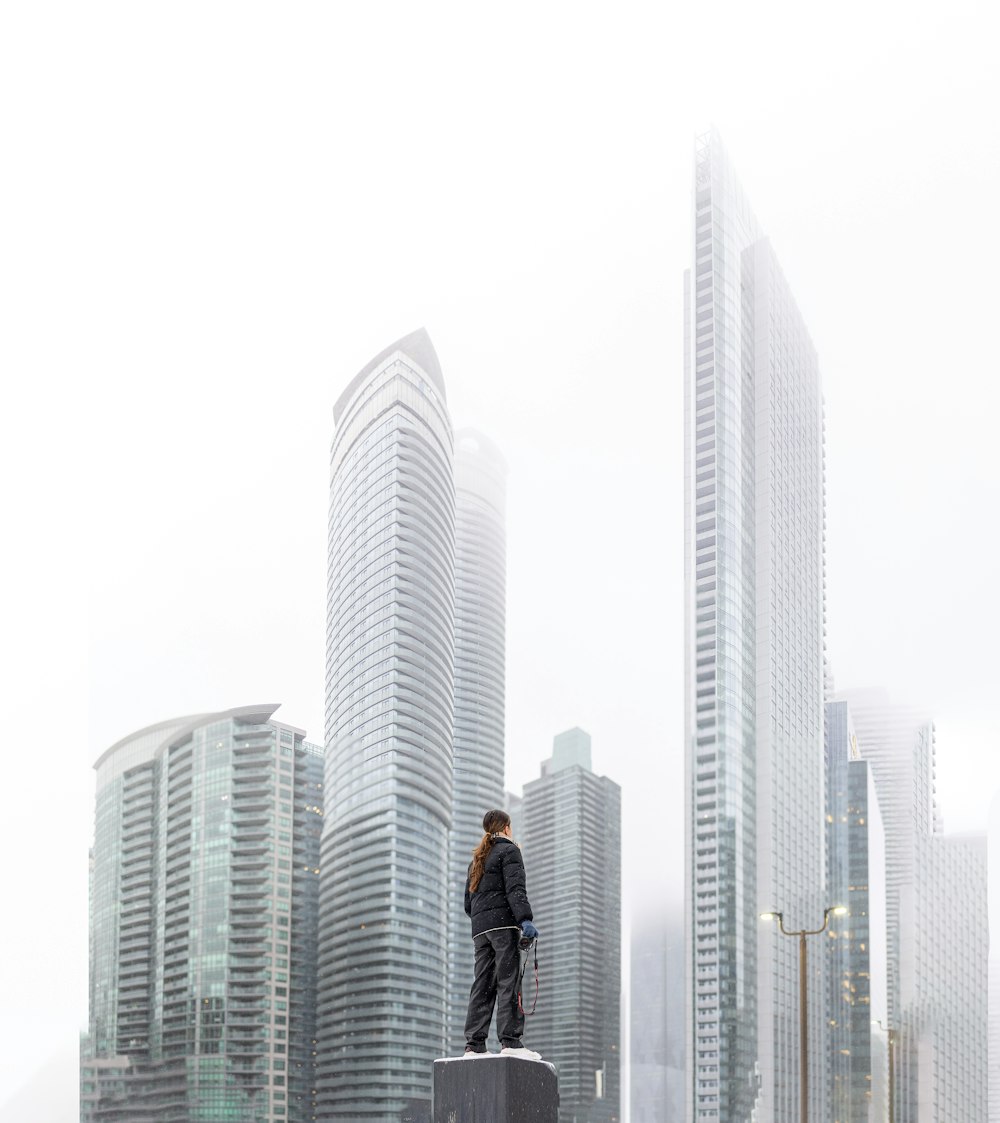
480, 606
389, 719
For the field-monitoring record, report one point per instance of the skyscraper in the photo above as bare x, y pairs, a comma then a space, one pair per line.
898, 742
754, 633
480, 582
942, 1056
571, 824
858, 1014
656, 1037
993, 865
389, 725
937, 919
203, 923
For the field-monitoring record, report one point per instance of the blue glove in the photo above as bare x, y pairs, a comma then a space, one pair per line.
529, 930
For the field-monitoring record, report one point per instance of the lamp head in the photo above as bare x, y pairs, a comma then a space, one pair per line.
770, 915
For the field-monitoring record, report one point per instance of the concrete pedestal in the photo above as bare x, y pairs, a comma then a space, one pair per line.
495, 1089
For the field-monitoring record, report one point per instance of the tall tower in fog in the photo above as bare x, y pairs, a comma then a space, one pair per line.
993, 867
754, 633
656, 1031
938, 924
899, 745
389, 726
480, 584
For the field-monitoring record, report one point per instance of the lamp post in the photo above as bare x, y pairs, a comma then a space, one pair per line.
835, 910
891, 1042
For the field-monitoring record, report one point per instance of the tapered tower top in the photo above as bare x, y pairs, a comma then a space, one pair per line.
416, 346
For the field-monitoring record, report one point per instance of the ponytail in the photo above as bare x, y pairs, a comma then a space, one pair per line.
494, 822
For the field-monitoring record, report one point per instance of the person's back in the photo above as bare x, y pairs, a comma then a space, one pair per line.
496, 900
501, 898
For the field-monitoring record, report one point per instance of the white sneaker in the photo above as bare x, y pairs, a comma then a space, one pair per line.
520, 1051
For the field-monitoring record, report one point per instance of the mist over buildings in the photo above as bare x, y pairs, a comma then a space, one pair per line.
215, 216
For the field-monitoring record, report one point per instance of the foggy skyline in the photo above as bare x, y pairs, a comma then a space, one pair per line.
217, 218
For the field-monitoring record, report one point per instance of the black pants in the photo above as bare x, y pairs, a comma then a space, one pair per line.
495, 981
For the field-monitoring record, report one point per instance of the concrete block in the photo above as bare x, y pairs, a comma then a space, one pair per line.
495, 1089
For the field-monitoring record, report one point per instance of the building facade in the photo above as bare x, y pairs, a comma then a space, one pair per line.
382, 973
937, 921
571, 840
858, 1014
656, 1021
993, 867
754, 673
512, 804
480, 623
899, 744
204, 893
942, 1056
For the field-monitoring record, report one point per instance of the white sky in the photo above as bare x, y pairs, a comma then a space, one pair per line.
215, 214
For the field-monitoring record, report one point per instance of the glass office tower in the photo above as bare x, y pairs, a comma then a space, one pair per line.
571, 839
389, 724
858, 1014
942, 1050
993, 865
480, 622
899, 743
204, 893
656, 1037
937, 918
754, 633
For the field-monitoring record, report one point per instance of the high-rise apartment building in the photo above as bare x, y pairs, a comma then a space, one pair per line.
993, 866
937, 918
204, 892
858, 1015
754, 673
390, 697
656, 1029
942, 1060
480, 623
993, 1089
571, 840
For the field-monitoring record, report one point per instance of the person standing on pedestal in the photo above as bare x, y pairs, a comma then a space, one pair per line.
496, 899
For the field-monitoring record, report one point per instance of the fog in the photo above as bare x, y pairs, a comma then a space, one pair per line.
215, 215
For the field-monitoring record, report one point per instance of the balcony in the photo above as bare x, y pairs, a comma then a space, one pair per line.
245, 1020
248, 963
133, 957
251, 984
245, 1068
243, 955
250, 884
255, 760
177, 847
258, 860
136, 887
247, 928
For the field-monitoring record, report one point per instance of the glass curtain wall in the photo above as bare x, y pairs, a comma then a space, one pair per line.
382, 971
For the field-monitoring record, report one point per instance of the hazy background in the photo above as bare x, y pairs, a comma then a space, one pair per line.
215, 214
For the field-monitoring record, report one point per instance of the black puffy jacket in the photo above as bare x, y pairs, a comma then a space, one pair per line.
501, 899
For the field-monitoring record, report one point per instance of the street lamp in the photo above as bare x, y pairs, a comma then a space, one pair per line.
891, 1038
835, 910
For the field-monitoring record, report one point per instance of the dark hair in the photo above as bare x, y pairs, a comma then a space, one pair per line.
494, 822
